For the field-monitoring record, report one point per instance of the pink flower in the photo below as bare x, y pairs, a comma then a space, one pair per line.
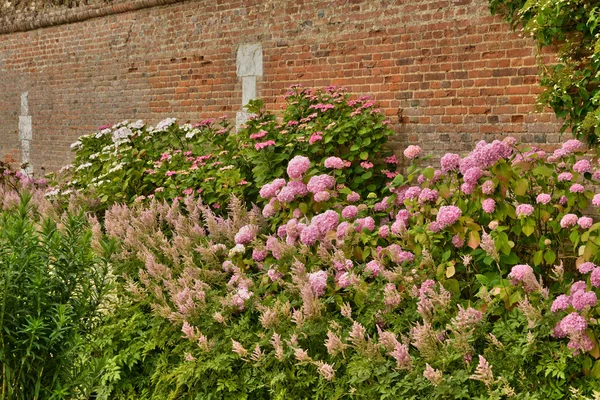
412, 192
170, 173
586, 267
450, 162
274, 275
384, 231
269, 211
246, 234
585, 222
565, 176
262, 145
448, 215
321, 196
365, 223
596, 200
258, 135
350, 212
543, 198
298, 167
353, 197
563, 200
524, 273
373, 268
428, 196
391, 160
188, 191
318, 282
488, 187
286, 194
334, 162
467, 188
561, 303
582, 299
595, 277
568, 221
298, 187
472, 175
524, 210
577, 188
309, 235
259, 255
582, 166
320, 183
366, 165
573, 323
457, 241
572, 146
326, 221
412, 152
488, 205
315, 137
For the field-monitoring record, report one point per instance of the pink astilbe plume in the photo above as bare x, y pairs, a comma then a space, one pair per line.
433, 375
483, 372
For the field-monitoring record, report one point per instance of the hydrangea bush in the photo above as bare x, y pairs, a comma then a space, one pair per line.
132, 161
474, 280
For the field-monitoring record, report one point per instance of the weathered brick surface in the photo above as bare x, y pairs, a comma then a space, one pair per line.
446, 72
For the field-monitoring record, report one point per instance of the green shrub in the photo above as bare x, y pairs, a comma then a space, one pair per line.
52, 287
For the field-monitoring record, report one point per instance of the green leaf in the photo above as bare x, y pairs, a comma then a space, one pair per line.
538, 257
549, 256
520, 187
528, 230
364, 155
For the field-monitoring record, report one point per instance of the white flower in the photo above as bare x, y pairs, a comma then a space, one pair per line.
76, 145
139, 124
94, 156
116, 168
164, 124
83, 166
52, 192
237, 249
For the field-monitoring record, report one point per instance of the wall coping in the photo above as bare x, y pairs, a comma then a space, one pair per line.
79, 14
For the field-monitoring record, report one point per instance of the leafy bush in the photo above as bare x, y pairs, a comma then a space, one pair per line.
477, 280
133, 161
52, 286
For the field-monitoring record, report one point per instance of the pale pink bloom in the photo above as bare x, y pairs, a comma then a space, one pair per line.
577, 188
350, 212
433, 375
298, 166
524, 210
543, 198
412, 152
582, 166
596, 200
318, 282
488, 205
568, 221
585, 222
321, 196
366, 165
246, 234
373, 268
354, 197
334, 162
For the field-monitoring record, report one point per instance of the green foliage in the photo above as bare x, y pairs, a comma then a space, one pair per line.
51, 289
572, 81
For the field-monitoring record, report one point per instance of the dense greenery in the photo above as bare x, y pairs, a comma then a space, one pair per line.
571, 28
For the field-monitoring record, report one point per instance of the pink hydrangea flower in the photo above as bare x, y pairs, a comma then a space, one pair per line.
457, 241
412, 192
565, 176
326, 221
366, 165
315, 137
586, 267
319, 183
585, 222
262, 145
246, 234
321, 196
488, 205
448, 215
572, 146
488, 187
472, 175
269, 211
576, 188
568, 221
274, 275
524, 210
384, 231
543, 198
365, 223
335, 163
595, 277
318, 282
350, 212
467, 188
373, 268
353, 197
450, 162
298, 166
298, 187
309, 235
286, 194
259, 255
342, 230
428, 196
524, 273
582, 166
391, 159
583, 299
561, 303
412, 152
573, 323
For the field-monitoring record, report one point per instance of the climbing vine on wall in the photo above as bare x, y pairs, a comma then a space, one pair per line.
572, 80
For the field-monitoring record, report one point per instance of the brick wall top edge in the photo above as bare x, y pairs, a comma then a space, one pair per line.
60, 16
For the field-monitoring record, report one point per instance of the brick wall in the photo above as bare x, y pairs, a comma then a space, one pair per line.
446, 72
